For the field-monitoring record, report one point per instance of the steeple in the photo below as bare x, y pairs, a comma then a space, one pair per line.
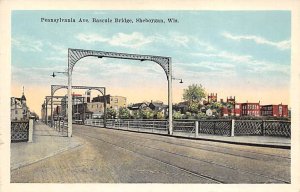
23, 98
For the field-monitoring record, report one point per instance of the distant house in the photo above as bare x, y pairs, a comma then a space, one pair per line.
137, 106
18, 108
159, 107
182, 107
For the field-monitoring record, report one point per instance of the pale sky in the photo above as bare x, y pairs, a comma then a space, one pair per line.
233, 53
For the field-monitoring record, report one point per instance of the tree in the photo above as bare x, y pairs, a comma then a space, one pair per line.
216, 108
124, 113
111, 113
159, 115
147, 113
194, 95
187, 115
136, 114
201, 115
177, 115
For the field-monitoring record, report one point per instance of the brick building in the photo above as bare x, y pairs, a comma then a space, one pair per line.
212, 98
237, 109
274, 110
250, 109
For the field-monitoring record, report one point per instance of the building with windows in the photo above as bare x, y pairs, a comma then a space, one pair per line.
250, 109
237, 109
115, 102
94, 108
18, 108
274, 110
212, 98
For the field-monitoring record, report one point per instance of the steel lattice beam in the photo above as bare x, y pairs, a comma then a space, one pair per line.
75, 55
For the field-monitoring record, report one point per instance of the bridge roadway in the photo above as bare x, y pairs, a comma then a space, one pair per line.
117, 156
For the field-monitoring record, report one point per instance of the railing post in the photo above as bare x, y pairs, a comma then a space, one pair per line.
214, 127
63, 127
263, 128
199, 125
30, 130
58, 124
196, 128
152, 126
232, 127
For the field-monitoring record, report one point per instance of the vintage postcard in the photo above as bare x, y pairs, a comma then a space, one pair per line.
98, 95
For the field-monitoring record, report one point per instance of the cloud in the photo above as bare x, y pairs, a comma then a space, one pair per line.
281, 45
206, 68
58, 49
225, 55
138, 40
57, 58
133, 40
38, 75
90, 38
249, 63
27, 44
184, 41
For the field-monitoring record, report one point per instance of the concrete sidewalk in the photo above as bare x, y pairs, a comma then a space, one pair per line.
46, 143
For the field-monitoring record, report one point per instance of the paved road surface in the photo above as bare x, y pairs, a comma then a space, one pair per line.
116, 156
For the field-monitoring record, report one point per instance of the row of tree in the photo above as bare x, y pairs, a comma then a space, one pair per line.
124, 113
193, 96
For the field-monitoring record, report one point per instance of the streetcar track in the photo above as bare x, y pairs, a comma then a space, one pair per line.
194, 142
216, 151
205, 161
166, 163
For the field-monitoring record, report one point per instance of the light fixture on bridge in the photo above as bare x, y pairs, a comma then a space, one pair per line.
53, 74
180, 80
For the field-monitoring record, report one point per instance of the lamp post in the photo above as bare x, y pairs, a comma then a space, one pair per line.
170, 98
53, 75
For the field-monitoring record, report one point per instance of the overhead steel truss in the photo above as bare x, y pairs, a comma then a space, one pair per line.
55, 88
75, 55
46, 103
